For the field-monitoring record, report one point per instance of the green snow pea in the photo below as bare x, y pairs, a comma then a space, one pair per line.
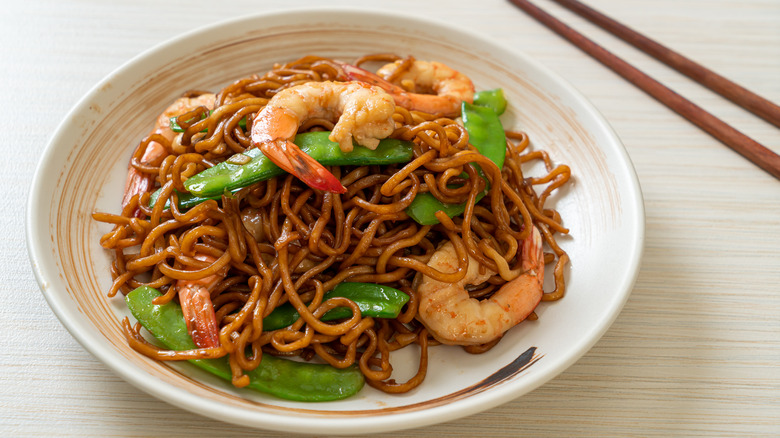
299, 381
373, 299
486, 134
493, 99
229, 177
226, 176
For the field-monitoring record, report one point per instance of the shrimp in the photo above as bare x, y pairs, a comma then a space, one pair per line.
195, 300
138, 182
452, 317
449, 86
363, 113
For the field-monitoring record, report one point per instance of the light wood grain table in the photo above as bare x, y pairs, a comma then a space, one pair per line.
695, 350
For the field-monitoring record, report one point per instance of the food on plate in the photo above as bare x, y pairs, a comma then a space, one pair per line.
313, 219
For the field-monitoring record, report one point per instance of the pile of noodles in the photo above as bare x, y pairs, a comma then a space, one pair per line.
305, 242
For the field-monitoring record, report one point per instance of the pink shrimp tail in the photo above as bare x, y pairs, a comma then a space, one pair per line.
200, 317
361, 75
289, 157
400, 96
429, 103
137, 184
533, 255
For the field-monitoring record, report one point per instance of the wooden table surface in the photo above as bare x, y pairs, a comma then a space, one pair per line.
696, 349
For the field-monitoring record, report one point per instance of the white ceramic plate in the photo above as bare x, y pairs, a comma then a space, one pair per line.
83, 170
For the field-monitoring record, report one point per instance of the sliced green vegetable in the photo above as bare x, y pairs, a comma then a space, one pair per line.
493, 99
299, 381
228, 177
486, 134
373, 299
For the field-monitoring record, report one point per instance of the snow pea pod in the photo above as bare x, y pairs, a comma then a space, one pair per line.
487, 135
373, 299
493, 99
299, 381
485, 132
227, 176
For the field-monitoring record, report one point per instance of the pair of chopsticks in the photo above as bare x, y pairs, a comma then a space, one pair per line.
744, 145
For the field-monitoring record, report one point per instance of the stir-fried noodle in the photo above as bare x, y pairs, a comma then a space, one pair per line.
279, 241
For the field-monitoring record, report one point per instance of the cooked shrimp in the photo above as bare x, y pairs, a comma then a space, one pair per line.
452, 317
363, 113
195, 300
449, 86
137, 182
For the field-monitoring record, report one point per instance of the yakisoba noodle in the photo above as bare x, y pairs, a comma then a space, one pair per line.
279, 241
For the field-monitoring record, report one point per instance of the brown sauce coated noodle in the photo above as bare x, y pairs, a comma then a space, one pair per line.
309, 241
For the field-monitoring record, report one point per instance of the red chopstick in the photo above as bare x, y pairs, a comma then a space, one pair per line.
739, 142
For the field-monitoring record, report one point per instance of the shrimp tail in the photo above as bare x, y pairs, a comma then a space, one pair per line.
199, 316
443, 104
533, 255
293, 160
355, 73
400, 96
137, 184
